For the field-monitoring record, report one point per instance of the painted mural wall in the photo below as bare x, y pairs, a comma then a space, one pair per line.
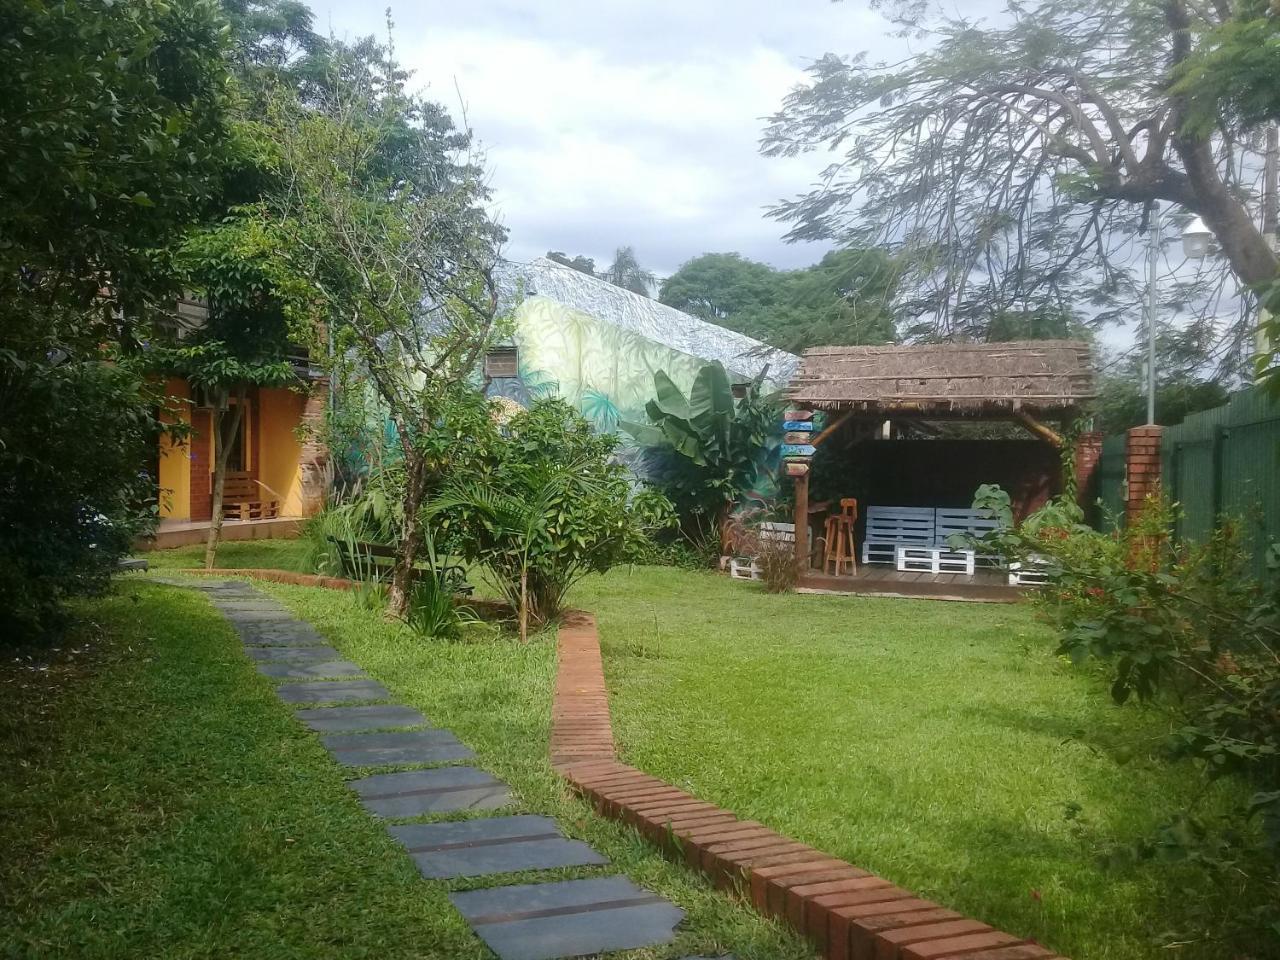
599, 367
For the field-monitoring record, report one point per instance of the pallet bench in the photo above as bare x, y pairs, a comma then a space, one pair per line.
242, 500
920, 538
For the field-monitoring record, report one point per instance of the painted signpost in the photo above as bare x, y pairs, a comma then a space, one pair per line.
800, 426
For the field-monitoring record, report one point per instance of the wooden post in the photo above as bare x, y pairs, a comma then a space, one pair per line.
802, 523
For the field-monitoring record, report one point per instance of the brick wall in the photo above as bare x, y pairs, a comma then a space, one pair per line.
201, 453
314, 456
1088, 453
1142, 468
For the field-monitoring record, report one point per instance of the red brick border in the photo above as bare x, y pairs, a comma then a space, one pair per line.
848, 913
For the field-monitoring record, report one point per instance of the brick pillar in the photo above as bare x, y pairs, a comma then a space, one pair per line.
201, 446
1088, 452
1142, 469
313, 466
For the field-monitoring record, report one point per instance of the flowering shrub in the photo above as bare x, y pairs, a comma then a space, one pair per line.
1187, 627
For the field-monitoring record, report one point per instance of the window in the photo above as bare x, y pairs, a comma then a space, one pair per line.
502, 363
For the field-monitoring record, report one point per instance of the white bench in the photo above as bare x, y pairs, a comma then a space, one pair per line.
950, 521
746, 568
891, 527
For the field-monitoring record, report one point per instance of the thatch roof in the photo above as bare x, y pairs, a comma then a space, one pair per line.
1045, 376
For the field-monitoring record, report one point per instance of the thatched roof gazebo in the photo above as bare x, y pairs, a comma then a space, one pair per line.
1027, 382
948, 379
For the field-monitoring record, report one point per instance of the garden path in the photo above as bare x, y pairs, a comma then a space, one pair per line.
361, 729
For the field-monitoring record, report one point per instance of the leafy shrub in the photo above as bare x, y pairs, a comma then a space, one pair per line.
1183, 625
549, 505
705, 450
73, 495
433, 611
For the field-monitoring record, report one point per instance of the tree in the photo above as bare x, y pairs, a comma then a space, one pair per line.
548, 505
845, 299
112, 139
400, 255
1013, 166
580, 263
626, 272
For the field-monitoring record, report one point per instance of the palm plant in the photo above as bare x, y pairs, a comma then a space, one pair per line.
626, 272
515, 534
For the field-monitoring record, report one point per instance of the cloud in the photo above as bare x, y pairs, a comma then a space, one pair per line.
626, 123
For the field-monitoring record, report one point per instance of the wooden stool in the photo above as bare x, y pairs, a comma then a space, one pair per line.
840, 540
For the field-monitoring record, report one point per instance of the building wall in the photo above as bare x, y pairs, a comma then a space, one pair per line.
279, 412
175, 458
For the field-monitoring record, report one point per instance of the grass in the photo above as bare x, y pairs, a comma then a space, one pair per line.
160, 801
941, 745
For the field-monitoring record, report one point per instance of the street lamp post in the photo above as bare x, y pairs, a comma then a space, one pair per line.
1196, 241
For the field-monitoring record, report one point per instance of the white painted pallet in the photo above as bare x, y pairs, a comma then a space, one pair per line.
934, 560
891, 527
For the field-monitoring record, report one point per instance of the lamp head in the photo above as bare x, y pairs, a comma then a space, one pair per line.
1196, 239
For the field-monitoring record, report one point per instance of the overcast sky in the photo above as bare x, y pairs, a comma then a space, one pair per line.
625, 122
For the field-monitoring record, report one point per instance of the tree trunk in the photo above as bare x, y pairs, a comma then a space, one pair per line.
524, 605
221, 450
1243, 244
411, 537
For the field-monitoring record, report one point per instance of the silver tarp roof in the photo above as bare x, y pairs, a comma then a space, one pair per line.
649, 318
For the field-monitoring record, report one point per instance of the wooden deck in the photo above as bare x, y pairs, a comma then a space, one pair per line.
882, 580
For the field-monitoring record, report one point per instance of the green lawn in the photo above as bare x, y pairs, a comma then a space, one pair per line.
159, 801
939, 744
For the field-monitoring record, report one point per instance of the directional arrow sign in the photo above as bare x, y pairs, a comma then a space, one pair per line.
798, 450
796, 425
798, 415
797, 437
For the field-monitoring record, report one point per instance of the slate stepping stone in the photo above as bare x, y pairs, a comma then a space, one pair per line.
444, 790
254, 617
405, 746
280, 635
352, 719
472, 848
539, 921
311, 671
333, 692
292, 654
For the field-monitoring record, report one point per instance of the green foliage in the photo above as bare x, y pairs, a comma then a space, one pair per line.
580, 263
626, 272
73, 494
548, 505
707, 448
112, 135
845, 299
1235, 71
1185, 626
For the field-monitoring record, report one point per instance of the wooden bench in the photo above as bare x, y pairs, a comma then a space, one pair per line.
363, 560
242, 500
891, 527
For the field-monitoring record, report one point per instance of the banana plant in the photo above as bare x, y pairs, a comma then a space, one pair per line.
709, 447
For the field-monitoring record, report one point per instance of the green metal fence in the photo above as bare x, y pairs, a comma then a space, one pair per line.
1108, 476
1226, 462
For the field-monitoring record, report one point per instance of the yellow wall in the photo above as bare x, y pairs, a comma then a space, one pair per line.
175, 459
279, 450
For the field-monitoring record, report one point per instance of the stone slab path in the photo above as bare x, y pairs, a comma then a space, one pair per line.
529, 921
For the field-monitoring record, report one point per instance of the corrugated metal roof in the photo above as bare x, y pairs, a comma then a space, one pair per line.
649, 318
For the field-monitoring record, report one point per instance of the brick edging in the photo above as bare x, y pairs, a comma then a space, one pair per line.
848, 913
